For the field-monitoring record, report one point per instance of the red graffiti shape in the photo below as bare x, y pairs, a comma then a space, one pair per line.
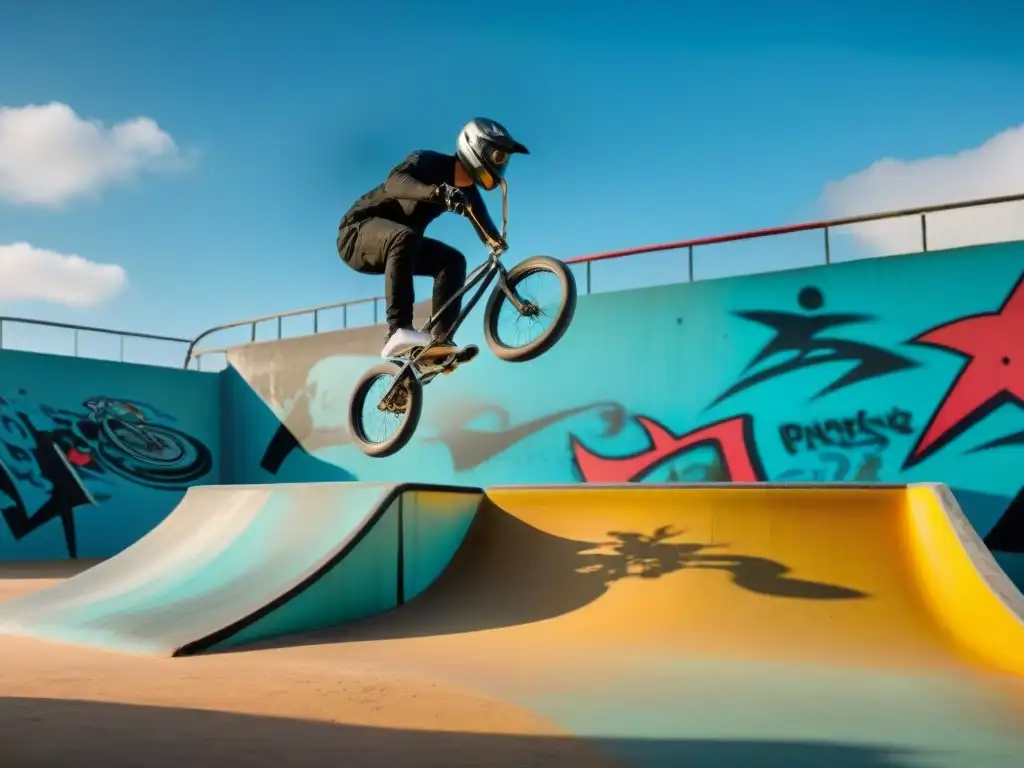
992, 376
78, 458
733, 438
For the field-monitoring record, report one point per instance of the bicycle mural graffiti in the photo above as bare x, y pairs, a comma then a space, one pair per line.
56, 460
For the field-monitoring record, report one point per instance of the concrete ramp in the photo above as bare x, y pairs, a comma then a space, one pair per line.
729, 625
882, 575
234, 564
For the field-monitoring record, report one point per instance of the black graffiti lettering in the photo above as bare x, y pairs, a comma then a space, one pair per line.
898, 420
818, 435
862, 430
870, 428
790, 434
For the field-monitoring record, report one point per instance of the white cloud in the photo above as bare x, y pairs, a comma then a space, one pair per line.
49, 155
993, 169
35, 274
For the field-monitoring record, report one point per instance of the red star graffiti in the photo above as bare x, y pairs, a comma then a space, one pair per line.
992, 376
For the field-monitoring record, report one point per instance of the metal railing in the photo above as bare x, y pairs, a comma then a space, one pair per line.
688, 245
78, 329
825, 226
193, 354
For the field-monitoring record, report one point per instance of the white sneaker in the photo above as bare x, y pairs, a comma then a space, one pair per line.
403, 340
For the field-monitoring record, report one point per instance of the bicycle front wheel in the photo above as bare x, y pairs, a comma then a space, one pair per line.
546, 289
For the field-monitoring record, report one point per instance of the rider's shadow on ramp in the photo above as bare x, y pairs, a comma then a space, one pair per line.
658, 554
509, 573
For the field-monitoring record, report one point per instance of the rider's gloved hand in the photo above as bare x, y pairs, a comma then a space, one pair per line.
453, 198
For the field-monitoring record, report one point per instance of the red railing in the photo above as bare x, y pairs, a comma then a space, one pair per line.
825, 226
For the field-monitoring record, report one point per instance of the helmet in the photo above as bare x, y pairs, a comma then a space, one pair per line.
484, 148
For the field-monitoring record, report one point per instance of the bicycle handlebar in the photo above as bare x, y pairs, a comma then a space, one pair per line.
495, 247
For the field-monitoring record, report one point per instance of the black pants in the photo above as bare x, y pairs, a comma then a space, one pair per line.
382, 247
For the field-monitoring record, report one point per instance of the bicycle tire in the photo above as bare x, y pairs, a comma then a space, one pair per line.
408, 427
563, 317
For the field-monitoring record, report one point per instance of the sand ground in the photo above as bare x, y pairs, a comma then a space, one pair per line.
63, 705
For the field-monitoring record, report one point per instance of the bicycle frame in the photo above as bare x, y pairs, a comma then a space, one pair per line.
482, 277
483, 274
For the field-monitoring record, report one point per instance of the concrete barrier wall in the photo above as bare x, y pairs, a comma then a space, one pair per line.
900, 369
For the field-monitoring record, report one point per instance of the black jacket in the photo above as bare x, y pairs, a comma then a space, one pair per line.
405, 195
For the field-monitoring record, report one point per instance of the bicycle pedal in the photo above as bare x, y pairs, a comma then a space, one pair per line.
467, 354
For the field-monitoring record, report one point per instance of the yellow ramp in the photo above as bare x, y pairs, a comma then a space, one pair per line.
731, 624
879, 576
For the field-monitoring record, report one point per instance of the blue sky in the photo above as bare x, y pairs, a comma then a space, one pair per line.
646, 123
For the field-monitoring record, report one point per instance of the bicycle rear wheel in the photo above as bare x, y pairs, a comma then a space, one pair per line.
559, 309
402, 414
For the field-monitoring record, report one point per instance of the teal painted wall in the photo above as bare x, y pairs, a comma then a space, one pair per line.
93, 453
898, 369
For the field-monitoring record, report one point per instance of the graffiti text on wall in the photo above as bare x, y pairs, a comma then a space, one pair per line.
53, 460
859, 430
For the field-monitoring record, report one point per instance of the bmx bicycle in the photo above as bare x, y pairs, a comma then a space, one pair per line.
401, 379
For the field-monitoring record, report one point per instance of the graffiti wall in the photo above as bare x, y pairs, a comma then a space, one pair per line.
899, 369
93, 454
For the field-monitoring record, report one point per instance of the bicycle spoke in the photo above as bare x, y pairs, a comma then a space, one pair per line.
378, 425
530, 290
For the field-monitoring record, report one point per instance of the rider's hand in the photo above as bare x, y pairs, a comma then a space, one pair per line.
499, 245
453, 198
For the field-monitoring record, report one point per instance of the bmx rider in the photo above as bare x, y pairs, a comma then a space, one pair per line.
383, 231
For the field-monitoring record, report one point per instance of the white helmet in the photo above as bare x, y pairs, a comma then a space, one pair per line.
484, 148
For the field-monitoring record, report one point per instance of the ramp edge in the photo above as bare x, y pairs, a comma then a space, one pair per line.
316, 572
763, 486
966, 589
